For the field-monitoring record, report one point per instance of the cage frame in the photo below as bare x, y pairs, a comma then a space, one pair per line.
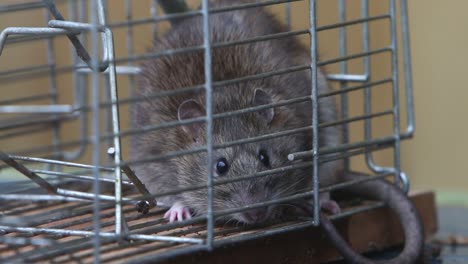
107, 66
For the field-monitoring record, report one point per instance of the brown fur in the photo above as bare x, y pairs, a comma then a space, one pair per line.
187, 69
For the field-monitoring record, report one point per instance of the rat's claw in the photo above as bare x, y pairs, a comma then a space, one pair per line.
178, 212
187, 213
330, 206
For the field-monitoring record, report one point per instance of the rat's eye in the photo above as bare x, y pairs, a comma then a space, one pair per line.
263, 157
222, 166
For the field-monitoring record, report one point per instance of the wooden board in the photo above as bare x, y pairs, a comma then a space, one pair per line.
303, 245
382, 230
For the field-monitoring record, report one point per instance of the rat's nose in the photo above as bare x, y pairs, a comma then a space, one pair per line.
256, 215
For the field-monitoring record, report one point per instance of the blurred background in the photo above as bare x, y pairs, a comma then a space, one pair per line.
433, 159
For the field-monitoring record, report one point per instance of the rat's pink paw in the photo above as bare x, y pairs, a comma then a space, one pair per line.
330, 206
178, 212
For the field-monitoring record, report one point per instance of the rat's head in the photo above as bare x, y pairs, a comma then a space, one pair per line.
237, 161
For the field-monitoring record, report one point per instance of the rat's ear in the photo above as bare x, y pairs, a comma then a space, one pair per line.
262, 98
191, 109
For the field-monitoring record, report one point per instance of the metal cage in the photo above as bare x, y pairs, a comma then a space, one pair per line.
64, 211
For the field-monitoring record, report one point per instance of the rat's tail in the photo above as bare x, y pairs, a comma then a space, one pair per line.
399, 203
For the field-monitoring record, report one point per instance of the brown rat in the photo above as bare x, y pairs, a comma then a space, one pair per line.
186, 69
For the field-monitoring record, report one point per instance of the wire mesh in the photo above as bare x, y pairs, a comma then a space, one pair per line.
84, 203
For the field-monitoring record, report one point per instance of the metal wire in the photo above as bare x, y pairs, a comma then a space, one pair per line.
209, 122
95, 93
344, 71
314, 99
53, 218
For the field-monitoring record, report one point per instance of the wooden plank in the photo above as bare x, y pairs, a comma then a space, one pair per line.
305, 245
382, 230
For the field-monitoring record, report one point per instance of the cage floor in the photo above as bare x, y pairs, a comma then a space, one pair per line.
39, 247
79, 249
78, 216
